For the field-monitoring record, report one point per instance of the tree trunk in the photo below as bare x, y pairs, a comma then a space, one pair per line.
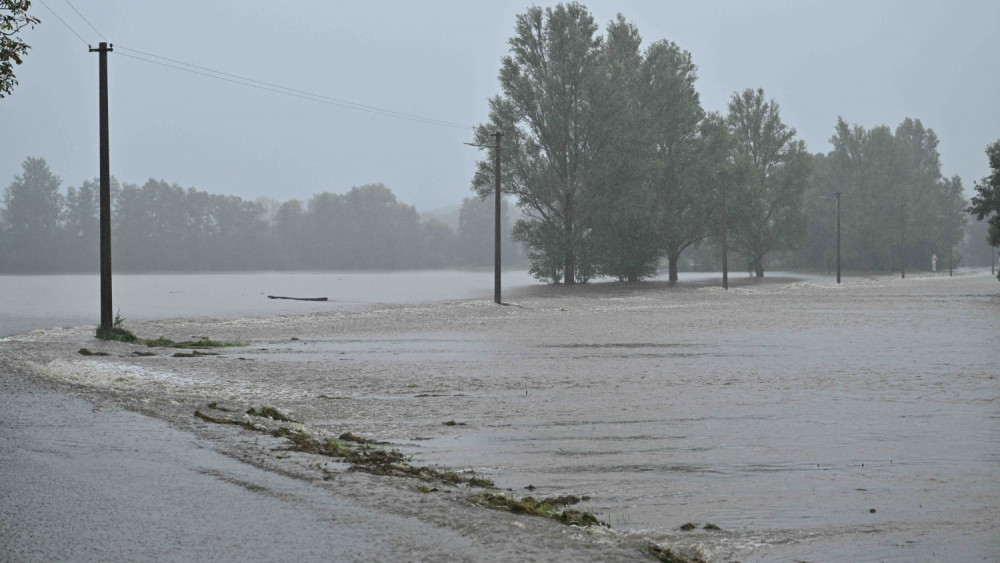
758, 265
569, 269
633, 277
672, 258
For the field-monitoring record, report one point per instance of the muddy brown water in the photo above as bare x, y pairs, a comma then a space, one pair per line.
806, 420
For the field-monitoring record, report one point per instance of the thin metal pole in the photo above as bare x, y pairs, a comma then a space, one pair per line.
496, 230
105, 199
838, 237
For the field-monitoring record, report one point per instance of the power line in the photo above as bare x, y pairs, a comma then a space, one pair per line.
277, 88
252, 83
84, 19
64, 22
242, 81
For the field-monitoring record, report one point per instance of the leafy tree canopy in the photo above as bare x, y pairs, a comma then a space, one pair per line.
986, 202
14, 17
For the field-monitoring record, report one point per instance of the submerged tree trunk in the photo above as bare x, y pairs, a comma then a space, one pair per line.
673, 256
569, 268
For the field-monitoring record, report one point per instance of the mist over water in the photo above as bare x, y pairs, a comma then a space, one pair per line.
33, 302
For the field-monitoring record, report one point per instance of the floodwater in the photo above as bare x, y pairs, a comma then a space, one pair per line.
807, 420
32, 302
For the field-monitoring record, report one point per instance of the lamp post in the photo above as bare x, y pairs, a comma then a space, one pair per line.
496, 226
838, 232
725, 228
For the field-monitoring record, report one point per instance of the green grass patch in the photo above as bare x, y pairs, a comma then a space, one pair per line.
119, 333
116, 331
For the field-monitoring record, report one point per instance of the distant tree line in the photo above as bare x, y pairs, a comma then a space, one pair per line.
616, 165
612, 162
164, 227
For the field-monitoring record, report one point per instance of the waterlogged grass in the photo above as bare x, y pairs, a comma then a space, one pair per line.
269, 412
362, 454
116, 331
668, 555
547, 507
119, 333
162, 342
371, 456
194, 354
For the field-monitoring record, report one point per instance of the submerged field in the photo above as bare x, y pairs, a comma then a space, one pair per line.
784, 419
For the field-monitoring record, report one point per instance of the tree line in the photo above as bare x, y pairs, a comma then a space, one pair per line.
163, 227
607, 150
615, 167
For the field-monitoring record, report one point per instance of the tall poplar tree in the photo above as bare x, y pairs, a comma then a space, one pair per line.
772, 171
552, 134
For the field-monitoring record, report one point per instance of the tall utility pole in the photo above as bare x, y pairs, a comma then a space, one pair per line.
496, 228
725, 229
902, 242
838, 237
838, 232
106, 319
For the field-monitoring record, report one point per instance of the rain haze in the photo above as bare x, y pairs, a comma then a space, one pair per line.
872, 63
328, 378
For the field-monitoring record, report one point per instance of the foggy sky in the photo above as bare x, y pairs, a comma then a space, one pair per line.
873, 63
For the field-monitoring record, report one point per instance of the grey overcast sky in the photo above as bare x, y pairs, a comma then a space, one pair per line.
872, 62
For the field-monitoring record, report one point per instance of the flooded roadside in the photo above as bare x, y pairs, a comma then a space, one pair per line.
82, 479
783, 413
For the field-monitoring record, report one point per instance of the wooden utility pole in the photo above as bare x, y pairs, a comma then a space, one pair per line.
902, 241
496, 230
107, 320
725, 229
838, 237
